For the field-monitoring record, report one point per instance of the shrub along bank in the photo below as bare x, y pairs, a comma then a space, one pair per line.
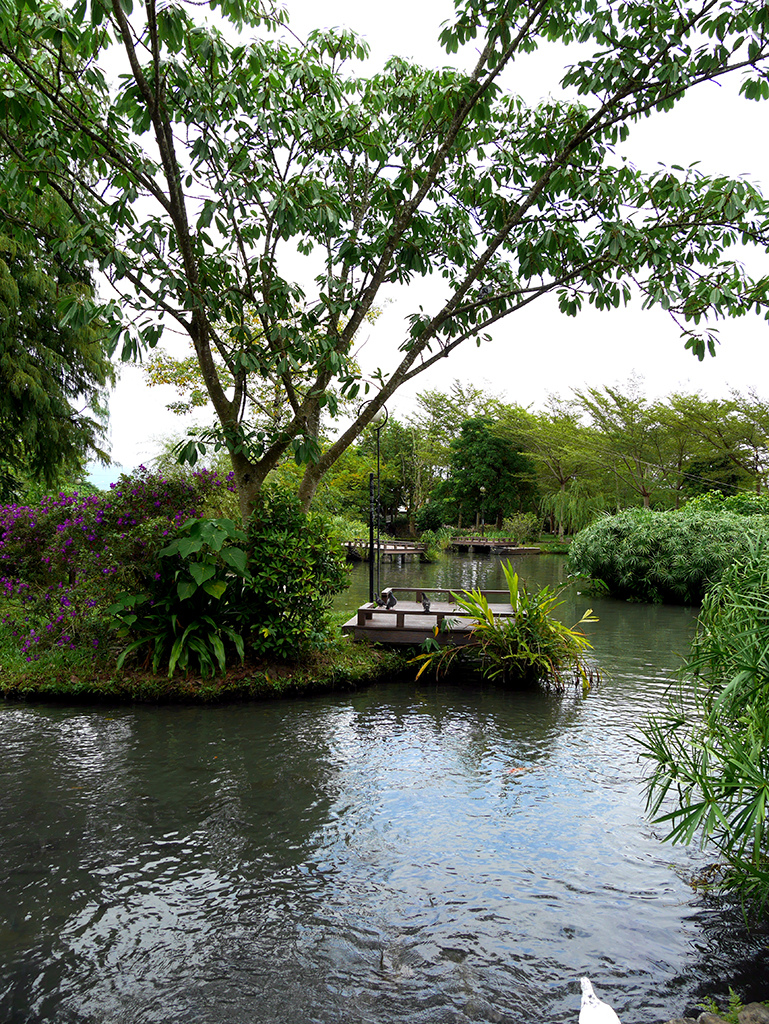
77, 676
665, 556
708, 750
152, 590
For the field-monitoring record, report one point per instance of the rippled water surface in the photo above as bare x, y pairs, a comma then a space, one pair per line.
410, 853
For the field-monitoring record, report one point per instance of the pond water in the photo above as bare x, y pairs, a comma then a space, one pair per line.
410, 853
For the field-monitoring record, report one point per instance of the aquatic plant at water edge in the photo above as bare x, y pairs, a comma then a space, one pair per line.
662, 556
531, 646
708, 750
436, 542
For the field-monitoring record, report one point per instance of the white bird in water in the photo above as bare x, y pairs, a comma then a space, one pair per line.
594, 1010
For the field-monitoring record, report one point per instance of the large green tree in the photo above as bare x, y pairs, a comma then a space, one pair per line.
202, 167
736, 431
53, 366
572, 475
490, 476
630, 435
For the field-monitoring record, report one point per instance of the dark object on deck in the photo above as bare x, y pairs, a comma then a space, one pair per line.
386, 602
425, 603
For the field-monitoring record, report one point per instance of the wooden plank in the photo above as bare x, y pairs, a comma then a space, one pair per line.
409, 624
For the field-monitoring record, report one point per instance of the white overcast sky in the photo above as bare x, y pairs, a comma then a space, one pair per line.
537, 351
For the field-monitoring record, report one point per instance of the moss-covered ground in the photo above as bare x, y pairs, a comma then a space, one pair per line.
74, 675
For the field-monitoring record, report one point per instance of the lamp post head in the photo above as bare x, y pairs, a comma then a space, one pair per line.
379, 418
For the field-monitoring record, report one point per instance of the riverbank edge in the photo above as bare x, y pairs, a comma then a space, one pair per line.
341, 667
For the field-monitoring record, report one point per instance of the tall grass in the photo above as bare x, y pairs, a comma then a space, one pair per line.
709, 759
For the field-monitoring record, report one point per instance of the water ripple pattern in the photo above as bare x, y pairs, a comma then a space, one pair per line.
416, 853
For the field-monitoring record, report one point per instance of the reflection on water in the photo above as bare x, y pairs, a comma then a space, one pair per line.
409, 853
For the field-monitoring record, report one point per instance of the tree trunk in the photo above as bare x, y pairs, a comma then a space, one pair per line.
311, 478
249, 480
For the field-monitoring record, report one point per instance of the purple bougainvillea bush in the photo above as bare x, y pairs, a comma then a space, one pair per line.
64, 560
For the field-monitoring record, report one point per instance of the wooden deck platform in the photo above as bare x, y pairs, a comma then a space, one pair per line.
408, 624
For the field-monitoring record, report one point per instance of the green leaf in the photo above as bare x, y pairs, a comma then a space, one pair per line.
236, 558
185, 589
215, 589
201, 572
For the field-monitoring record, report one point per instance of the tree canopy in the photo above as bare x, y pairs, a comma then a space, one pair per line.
53, 371
489, 474
216, 180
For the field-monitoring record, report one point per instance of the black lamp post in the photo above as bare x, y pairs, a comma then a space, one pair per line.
483, 510
378, 420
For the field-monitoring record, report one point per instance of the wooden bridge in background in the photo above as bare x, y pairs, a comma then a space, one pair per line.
492, 545
408, 624
357, 550
390, 550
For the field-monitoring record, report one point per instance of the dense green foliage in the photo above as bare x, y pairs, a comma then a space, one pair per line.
567, 464
190, 609
141, 572
294, 574
203, 177
662, 556
488, 472
53, 370
524, 649
743, 504
265, 590
64, 560
709, 749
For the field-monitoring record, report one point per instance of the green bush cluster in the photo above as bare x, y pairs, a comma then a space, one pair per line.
522, 527
436, 542
64, 559
263, 591
662, 556
434, 514
742, 504
295, 572
140, 574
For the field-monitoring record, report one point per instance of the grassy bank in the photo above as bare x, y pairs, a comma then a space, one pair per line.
74, 675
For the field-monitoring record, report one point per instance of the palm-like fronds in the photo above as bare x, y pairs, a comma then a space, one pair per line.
530, 646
